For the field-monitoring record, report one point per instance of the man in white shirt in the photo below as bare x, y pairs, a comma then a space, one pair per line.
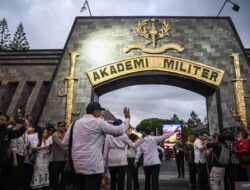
200, 145
151, 160
87, 144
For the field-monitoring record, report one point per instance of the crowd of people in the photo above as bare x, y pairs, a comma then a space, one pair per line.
219, 161
32, 157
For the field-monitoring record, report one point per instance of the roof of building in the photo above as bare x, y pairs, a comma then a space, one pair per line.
108, 116
31, 57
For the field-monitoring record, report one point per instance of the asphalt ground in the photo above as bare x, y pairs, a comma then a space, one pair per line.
168, 178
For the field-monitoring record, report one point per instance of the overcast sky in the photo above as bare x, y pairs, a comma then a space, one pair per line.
48, 22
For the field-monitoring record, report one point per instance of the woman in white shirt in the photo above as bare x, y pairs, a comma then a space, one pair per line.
115, 157
40, 148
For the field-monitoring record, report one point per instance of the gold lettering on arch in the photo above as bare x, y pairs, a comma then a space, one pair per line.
165, 63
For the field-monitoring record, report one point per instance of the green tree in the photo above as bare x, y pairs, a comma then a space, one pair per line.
19, 41
4, 35
194, 120
151, 122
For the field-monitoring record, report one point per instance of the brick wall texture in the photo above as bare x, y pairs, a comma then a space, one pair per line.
100, 40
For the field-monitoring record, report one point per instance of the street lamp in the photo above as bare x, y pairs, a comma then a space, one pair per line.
235, 6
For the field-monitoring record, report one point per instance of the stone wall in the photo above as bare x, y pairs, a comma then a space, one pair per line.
23, 75
101, 40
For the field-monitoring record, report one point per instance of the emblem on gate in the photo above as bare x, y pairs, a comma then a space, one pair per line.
159, 29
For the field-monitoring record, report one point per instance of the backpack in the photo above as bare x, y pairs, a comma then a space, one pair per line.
224, 158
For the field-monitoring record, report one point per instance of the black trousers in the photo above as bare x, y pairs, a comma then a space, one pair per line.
4, 173
132, 175
233, 173
89, 182
151, 172
117, 175
180, 166
192, 174
202, 180
27, 176
57, 175
16, 173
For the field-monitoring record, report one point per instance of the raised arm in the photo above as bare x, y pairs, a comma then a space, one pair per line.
17, 132
116, 130
131, 144
159, 139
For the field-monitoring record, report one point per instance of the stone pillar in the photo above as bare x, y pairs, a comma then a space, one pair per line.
33, 97
15, 98
212, 113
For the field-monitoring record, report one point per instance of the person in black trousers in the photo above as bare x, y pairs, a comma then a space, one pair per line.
6, 135
189, 158
132, 171
179, 156
59, 157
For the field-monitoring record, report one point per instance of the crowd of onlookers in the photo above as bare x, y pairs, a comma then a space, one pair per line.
32, 157
215, 162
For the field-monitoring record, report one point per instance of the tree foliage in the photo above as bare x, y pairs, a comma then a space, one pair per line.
19, 41
4, 35
194, 120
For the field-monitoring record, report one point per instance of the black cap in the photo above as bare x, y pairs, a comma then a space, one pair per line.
200, 133
117, 122
148, 130
94, 106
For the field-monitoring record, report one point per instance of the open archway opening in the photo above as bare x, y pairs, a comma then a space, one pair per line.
204, 91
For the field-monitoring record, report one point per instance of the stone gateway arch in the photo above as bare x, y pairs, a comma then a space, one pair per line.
201, 54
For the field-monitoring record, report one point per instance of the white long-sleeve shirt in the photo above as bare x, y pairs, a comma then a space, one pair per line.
88, 140
149, 149
19, 144
114, 150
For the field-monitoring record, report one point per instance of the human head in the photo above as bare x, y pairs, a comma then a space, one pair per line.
200, 135
61, 127
192, 137
29, 117
149, 131
12, 120
95, 109
220, 139
43, 133
4, 119
30, 130
241, 135
133, 137
50, 128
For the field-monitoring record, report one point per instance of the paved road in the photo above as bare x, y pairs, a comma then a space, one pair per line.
168, 177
